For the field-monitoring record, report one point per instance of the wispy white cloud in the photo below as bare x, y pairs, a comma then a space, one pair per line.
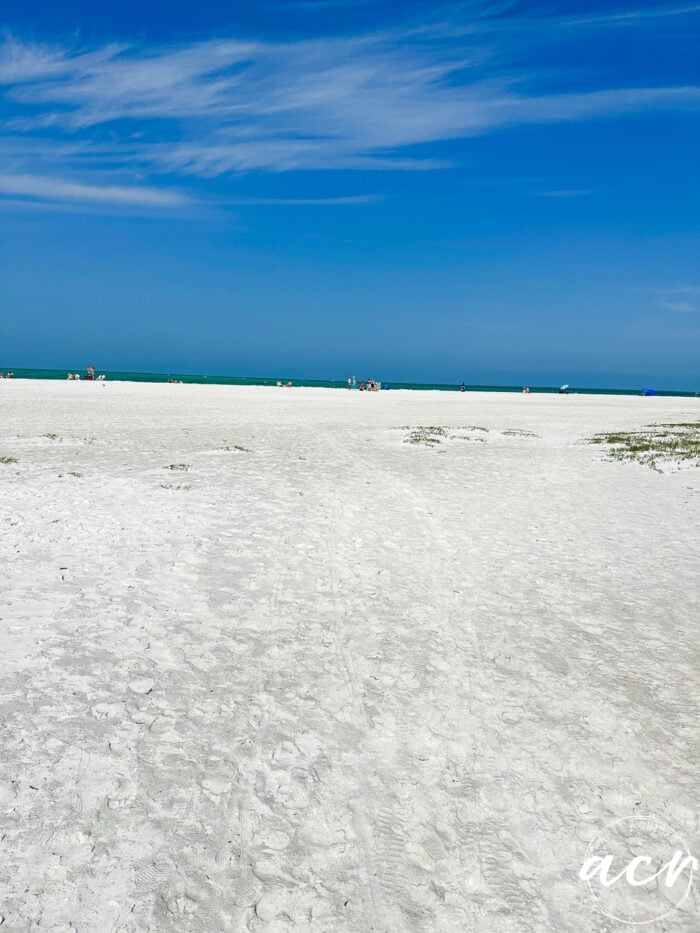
203, 109
305, 202
46, 188
22, 62
220, 106
320, 4
551, 22
563, 193
684, 299
630, 15
686, 307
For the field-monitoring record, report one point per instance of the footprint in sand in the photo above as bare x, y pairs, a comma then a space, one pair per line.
154, 874
246, 890
142, 717
122, 796
141, 685
271, 904
162, 725
74, 849
182, 897
108, 710
274, 839
182, 905
216, 786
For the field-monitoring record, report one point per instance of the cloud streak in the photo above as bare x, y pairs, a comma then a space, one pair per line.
212, 108
685, 307
306, 202
684, 299
46, 188
563, 193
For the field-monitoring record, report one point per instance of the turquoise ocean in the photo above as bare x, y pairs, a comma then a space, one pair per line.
324, 383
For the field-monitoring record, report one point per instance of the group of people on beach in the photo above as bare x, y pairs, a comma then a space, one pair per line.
7, 375
369, 385
89, 375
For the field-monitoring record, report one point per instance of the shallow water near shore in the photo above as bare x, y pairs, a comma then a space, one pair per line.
321, 383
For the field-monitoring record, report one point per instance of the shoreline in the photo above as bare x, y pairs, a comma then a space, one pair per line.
271, 382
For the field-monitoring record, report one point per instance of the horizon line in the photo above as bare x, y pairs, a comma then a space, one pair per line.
342, 383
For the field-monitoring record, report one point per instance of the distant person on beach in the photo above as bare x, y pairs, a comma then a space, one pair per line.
463, 388
526, 390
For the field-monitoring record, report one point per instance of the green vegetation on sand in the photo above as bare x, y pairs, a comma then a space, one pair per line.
655, 444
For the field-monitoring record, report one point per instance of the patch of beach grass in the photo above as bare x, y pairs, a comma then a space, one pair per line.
472, 437
694, 425
654, 445
429, 435
181, 467
9, 460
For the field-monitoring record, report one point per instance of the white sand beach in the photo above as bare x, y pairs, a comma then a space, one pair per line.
268, 667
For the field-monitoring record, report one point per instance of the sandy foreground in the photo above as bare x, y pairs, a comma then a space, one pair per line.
268, 667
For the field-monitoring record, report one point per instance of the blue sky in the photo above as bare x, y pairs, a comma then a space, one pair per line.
495, 192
